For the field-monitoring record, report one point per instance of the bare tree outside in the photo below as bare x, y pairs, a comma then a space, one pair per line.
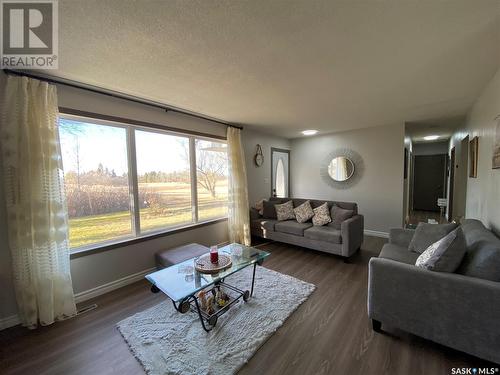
211, 165
97, 183
75, 131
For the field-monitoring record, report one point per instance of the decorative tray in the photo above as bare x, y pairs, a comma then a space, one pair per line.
204, 265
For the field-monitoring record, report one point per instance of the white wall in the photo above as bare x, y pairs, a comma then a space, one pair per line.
101, 268
408, 180
379, 193
483, 192
259, 178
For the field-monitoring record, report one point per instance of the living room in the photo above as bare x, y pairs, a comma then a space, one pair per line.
266, 167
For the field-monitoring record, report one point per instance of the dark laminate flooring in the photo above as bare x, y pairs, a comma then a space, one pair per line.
328, 334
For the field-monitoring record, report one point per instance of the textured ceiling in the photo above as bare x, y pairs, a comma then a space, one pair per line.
286, 65
444, 128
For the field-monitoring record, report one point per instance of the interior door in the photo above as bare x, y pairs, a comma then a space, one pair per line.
461, 177
429, 181
452, 184
280, 173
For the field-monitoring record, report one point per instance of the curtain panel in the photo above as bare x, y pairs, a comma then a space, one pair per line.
238, 212
35, 201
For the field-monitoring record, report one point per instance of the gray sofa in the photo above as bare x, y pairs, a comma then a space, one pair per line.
460, 310
344, 241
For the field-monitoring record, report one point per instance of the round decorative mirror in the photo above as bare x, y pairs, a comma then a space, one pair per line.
341, 168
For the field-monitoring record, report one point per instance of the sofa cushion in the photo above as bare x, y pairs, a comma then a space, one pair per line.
339, 215
483, 263
323, 233
291, 227
398, 253
268, 210
265, 224
321, 215
426, 234
482, 259
304, 212
476, 233
444, 255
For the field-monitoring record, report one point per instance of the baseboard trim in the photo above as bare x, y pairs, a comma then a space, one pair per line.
9, 321
113, 285
14, 320
376, 233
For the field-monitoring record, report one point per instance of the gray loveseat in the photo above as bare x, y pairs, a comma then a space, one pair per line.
460, 310
344, 241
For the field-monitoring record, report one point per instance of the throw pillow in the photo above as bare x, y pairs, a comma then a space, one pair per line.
321, 215
259, 206
284, 211
304, 212
482, 262
269, 212
339, 215
445, 255
426, 234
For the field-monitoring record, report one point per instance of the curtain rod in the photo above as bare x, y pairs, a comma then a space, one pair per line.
116, 94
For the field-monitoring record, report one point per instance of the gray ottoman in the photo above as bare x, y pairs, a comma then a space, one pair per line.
169, 257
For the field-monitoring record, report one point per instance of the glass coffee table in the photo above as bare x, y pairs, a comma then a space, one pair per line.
182, 283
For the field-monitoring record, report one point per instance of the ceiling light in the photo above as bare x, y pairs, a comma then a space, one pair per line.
431, 137
309, 132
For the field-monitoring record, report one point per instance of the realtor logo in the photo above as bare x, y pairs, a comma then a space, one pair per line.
29, 34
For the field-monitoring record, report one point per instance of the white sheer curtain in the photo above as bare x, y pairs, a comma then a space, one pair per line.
35, 201
238, 212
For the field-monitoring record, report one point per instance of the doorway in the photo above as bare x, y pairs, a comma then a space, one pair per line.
280, 173
429, 182
460, 179
452, 184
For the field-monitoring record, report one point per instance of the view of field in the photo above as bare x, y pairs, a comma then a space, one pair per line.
96, 178
99, 228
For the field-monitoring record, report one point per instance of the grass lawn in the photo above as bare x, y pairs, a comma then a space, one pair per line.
100, 228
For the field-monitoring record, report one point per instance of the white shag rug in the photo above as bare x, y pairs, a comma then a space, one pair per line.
168, 342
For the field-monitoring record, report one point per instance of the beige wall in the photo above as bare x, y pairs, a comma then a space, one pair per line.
379, 193
101, 268
259, 178
407, 181
483, 192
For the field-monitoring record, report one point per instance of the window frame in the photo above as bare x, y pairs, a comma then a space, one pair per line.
130, 127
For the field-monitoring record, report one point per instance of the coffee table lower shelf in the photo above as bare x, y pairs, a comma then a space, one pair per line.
208, 321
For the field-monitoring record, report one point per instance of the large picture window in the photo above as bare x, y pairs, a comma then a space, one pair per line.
164, 177
124, 181
211, 175
96, 180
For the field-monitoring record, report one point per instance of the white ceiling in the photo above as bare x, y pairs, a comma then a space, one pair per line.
444, 128
285, 65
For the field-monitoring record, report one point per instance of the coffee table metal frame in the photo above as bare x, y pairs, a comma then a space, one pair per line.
208, 321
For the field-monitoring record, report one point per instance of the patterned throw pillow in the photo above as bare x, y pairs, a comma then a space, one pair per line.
321, 215
426, 234
284, 211
259, 206
339, 215
304, 212
445, 255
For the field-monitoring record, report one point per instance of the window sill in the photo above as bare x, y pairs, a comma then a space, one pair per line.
93, 249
